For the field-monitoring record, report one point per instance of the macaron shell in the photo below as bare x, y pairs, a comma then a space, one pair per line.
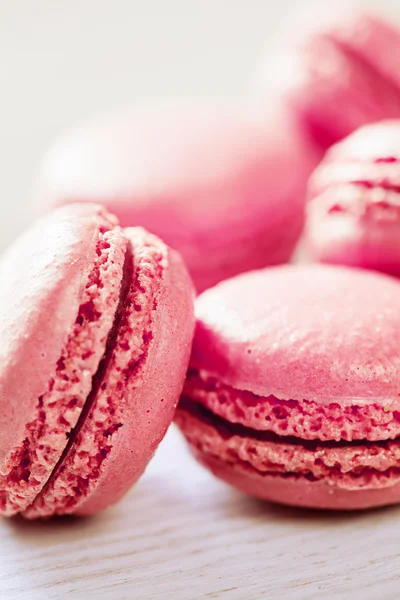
46, 270
165, 173
124, 422
59, 407
321, 333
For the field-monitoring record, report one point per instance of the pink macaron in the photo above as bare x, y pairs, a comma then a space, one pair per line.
225, 192
337, 72
95, 334
293, 389
354, 207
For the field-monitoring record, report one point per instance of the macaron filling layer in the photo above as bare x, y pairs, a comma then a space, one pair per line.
80, 467
58, 409
347, 465
305, 419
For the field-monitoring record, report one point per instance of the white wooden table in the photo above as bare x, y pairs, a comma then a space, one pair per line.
182, 535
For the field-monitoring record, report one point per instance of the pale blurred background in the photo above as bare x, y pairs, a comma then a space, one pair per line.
62, 61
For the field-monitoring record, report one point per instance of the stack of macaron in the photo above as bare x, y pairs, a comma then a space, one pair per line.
284, 379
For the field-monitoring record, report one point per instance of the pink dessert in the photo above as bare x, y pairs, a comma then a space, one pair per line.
95, 329
354, 207
225, 192
338, 74
292, 393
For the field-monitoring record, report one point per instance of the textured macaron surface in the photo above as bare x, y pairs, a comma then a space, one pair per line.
275, 331
354, 201
202, 182
77, 291
294, 374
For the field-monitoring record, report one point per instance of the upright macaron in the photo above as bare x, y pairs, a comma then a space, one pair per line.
95, 332
225, 192
293, 390
354, 201
336, 69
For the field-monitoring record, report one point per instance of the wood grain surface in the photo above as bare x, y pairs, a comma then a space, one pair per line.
182, 535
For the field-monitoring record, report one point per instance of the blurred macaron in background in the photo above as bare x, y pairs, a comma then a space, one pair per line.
227, 188
66, 74
224, 189
335, 67
354, 201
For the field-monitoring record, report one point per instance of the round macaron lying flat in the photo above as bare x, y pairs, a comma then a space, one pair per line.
337, 72
95, 330
354, 208
293, 389
219, 188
